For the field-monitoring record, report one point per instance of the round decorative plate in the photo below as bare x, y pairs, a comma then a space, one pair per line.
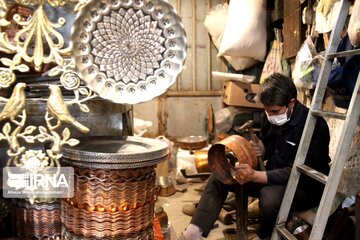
128, 51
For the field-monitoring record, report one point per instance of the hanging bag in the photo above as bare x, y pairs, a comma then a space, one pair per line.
275, 63
304, 65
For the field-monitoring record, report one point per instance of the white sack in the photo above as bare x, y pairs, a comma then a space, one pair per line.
245, 30
215, 22
325, 24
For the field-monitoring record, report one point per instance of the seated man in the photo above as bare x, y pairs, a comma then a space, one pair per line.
280, 137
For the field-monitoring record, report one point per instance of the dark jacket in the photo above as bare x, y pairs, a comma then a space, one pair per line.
281, 144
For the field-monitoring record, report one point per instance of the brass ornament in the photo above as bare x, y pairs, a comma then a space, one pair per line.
34, 160
15, 104
70, 80
7, 77
57, 108
36, 44
38, 32
13, 110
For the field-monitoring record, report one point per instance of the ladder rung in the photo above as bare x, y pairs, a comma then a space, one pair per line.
343, 53
318, 176
284, 232
318, 113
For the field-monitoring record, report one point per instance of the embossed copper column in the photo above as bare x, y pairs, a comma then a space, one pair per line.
114, 188
40, 220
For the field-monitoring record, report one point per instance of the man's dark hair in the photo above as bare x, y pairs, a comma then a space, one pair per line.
277, 89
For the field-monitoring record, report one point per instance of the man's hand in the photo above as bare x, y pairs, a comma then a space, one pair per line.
243, 173
258, 147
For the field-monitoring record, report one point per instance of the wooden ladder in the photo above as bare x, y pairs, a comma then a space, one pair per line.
347, 130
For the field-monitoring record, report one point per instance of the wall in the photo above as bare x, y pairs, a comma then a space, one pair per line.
349, 183
181, 110
184, 115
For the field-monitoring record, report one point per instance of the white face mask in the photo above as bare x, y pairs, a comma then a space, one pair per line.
278, 120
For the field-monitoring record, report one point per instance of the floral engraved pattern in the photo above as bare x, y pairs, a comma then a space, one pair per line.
34, 160
127, 46
127, 43
7, 77
70, 80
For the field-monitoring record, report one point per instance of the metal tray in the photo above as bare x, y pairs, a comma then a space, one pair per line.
128, 152
128, 51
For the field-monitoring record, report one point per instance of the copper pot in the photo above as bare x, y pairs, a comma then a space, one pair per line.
201, 165
201, 161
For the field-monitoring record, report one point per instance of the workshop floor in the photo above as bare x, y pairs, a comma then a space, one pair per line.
179, 221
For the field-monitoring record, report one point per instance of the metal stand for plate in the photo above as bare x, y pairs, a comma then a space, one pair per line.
241, 212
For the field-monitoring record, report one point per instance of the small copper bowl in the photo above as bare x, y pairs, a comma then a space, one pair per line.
192, 142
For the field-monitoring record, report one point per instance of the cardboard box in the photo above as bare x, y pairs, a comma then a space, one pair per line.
237, 93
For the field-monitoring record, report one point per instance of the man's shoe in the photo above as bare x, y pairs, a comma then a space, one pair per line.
189, 209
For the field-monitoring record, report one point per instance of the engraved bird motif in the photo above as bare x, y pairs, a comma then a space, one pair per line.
58, 109
15, 104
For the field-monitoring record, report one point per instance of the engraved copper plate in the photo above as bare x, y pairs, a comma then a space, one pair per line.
128, 51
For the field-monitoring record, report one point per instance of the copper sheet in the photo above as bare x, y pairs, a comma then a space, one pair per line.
220, 165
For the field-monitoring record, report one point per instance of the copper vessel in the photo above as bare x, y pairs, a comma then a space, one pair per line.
114, 188
40, 220
192, 142
220, 164
201, 161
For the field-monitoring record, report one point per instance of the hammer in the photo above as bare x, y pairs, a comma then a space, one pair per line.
248, 126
